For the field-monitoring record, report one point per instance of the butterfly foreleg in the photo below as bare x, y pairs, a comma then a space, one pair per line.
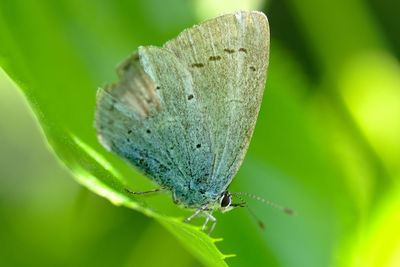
145, 192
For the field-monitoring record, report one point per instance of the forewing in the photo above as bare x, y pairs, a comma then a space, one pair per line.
227, 58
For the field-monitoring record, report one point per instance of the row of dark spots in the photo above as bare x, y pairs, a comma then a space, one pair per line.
231, 51
147, 131
211, 58
130, 131
202, 65
216, 58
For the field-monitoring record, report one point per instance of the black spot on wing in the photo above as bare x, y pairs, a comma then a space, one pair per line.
197, 65
252, 68
190, 97
229, 51
244, 50
148, 131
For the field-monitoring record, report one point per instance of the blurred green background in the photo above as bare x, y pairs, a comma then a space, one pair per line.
326, 142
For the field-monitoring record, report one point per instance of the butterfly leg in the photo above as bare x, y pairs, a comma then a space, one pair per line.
145, 192
196, 213
205, 223
214, 222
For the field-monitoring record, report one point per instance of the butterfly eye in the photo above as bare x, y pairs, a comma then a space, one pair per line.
227, 200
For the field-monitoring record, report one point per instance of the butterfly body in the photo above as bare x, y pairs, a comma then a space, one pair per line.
184, 113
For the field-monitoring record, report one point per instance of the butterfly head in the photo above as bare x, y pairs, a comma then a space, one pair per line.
192, 198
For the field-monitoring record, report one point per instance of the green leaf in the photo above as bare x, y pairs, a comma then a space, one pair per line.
59, 56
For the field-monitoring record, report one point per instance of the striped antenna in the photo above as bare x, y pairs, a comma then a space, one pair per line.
244, 204
286, 210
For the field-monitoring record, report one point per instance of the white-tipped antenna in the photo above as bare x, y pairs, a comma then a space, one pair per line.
286, 210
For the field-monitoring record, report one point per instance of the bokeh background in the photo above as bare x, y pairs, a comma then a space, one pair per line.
326, 142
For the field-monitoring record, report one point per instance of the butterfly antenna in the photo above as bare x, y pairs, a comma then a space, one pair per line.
285, 210
244, 204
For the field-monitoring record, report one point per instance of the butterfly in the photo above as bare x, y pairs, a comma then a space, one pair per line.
184, 113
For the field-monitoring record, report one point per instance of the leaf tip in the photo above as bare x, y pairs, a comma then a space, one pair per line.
228, 256
215, 240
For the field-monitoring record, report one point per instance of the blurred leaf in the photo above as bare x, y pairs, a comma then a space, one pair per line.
370, 88
357, 96
336, 30
206, 9
377, 243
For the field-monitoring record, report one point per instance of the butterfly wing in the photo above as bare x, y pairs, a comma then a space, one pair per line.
184, 114
227, 58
